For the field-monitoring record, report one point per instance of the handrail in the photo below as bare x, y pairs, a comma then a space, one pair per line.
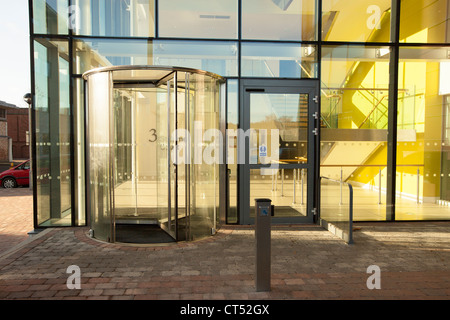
379, 174
373, 110
349, 240
322, 90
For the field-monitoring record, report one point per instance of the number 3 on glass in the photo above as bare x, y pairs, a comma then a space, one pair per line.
154, 136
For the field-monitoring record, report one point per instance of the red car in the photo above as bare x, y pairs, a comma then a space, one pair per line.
17, 176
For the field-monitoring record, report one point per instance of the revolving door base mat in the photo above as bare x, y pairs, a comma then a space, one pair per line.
141, 234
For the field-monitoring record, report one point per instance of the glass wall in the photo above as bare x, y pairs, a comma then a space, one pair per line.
289, 20
355, 87
276, 60
212, 56
260, 39
51, 16
53, 134
424, 21
219, 57
99, 157
215, 19
422, 136
133, 18
370, 20
94, 53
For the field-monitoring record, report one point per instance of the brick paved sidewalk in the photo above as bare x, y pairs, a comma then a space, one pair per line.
307, 263
16, 216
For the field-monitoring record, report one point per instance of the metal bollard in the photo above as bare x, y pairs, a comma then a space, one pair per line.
264, 211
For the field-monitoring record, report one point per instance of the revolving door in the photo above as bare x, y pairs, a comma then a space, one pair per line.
146, 126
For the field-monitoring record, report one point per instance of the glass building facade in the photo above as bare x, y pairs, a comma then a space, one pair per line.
359, 92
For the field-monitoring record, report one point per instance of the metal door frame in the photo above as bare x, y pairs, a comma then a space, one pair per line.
294, 86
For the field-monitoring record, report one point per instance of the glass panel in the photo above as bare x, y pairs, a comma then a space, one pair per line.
94, 53
53, 117
140, 160
422, 140
354, 122
370, 20
279, 128
79, 125
100, 173
216, 57
287, 188
232, 126
215, 19
206, 139
182, 154
171, 222
150, 152
275, 60
161, 157
132, 18
124, 155
336, 209
289, 19
424, 21
51, 16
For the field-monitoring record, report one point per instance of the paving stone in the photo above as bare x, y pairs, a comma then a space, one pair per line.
308, 262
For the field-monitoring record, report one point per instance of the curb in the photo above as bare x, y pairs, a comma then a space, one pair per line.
26, 242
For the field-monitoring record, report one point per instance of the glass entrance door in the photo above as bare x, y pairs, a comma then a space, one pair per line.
280, 125
145, 188
144, 178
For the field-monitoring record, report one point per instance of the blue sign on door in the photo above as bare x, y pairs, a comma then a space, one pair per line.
263, 151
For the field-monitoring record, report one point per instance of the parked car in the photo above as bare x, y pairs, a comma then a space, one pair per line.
16, 176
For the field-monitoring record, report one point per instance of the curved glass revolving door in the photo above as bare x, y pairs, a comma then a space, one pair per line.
145, 133
141, 159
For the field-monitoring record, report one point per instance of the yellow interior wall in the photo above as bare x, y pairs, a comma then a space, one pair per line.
370, 175
422, 21
433, 133
366, 74
426, 150
354, 106
419, 15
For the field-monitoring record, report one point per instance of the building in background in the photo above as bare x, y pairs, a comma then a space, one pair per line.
5, 141
13, 132
18, 127
358, 90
